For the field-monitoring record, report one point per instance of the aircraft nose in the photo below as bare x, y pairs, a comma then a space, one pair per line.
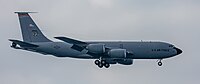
179, 51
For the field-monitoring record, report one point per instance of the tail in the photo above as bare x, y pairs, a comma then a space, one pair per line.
30, 31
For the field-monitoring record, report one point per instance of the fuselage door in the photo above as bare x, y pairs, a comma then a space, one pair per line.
121, 45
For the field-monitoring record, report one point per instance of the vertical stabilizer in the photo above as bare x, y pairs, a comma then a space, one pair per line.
30, 31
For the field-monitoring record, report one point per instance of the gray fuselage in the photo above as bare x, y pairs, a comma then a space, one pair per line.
140, 50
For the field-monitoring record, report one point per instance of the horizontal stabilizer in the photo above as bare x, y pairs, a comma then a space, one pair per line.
71, 41
24, 12
23, 44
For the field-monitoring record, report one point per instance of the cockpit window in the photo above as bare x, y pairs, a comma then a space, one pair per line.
171, 46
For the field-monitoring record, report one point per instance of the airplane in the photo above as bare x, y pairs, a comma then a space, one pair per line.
104, 53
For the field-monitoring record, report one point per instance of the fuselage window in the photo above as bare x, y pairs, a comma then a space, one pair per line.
166, 50
56, 47
121, 45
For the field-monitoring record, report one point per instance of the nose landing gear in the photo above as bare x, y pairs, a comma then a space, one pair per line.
160, 62
101, 63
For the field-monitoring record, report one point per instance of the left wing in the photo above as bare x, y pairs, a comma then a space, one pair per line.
80, 45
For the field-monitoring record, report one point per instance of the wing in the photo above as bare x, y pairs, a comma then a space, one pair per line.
69, 40
77, 45
80, 45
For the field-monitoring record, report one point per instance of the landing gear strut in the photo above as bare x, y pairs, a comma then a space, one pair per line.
101, 63
160, 62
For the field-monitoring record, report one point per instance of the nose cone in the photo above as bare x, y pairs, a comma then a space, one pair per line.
179, 51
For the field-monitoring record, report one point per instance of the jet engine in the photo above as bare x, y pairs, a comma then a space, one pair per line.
125, 61
96, 48
117, 53
111, 61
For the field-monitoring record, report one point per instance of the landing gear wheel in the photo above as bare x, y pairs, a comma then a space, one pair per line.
97, 62
103, 62
107, 65
159, 63
100, 65
13, 45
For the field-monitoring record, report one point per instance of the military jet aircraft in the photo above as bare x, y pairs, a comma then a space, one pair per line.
104, 53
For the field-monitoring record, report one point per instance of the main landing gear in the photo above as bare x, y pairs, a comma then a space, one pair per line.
14, 45
160, 62
101, 63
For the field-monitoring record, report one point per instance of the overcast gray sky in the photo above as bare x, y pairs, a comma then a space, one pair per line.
173, 21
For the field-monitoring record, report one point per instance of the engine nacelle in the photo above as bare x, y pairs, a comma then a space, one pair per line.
117, 53
96, 48
125, 61
111, 61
